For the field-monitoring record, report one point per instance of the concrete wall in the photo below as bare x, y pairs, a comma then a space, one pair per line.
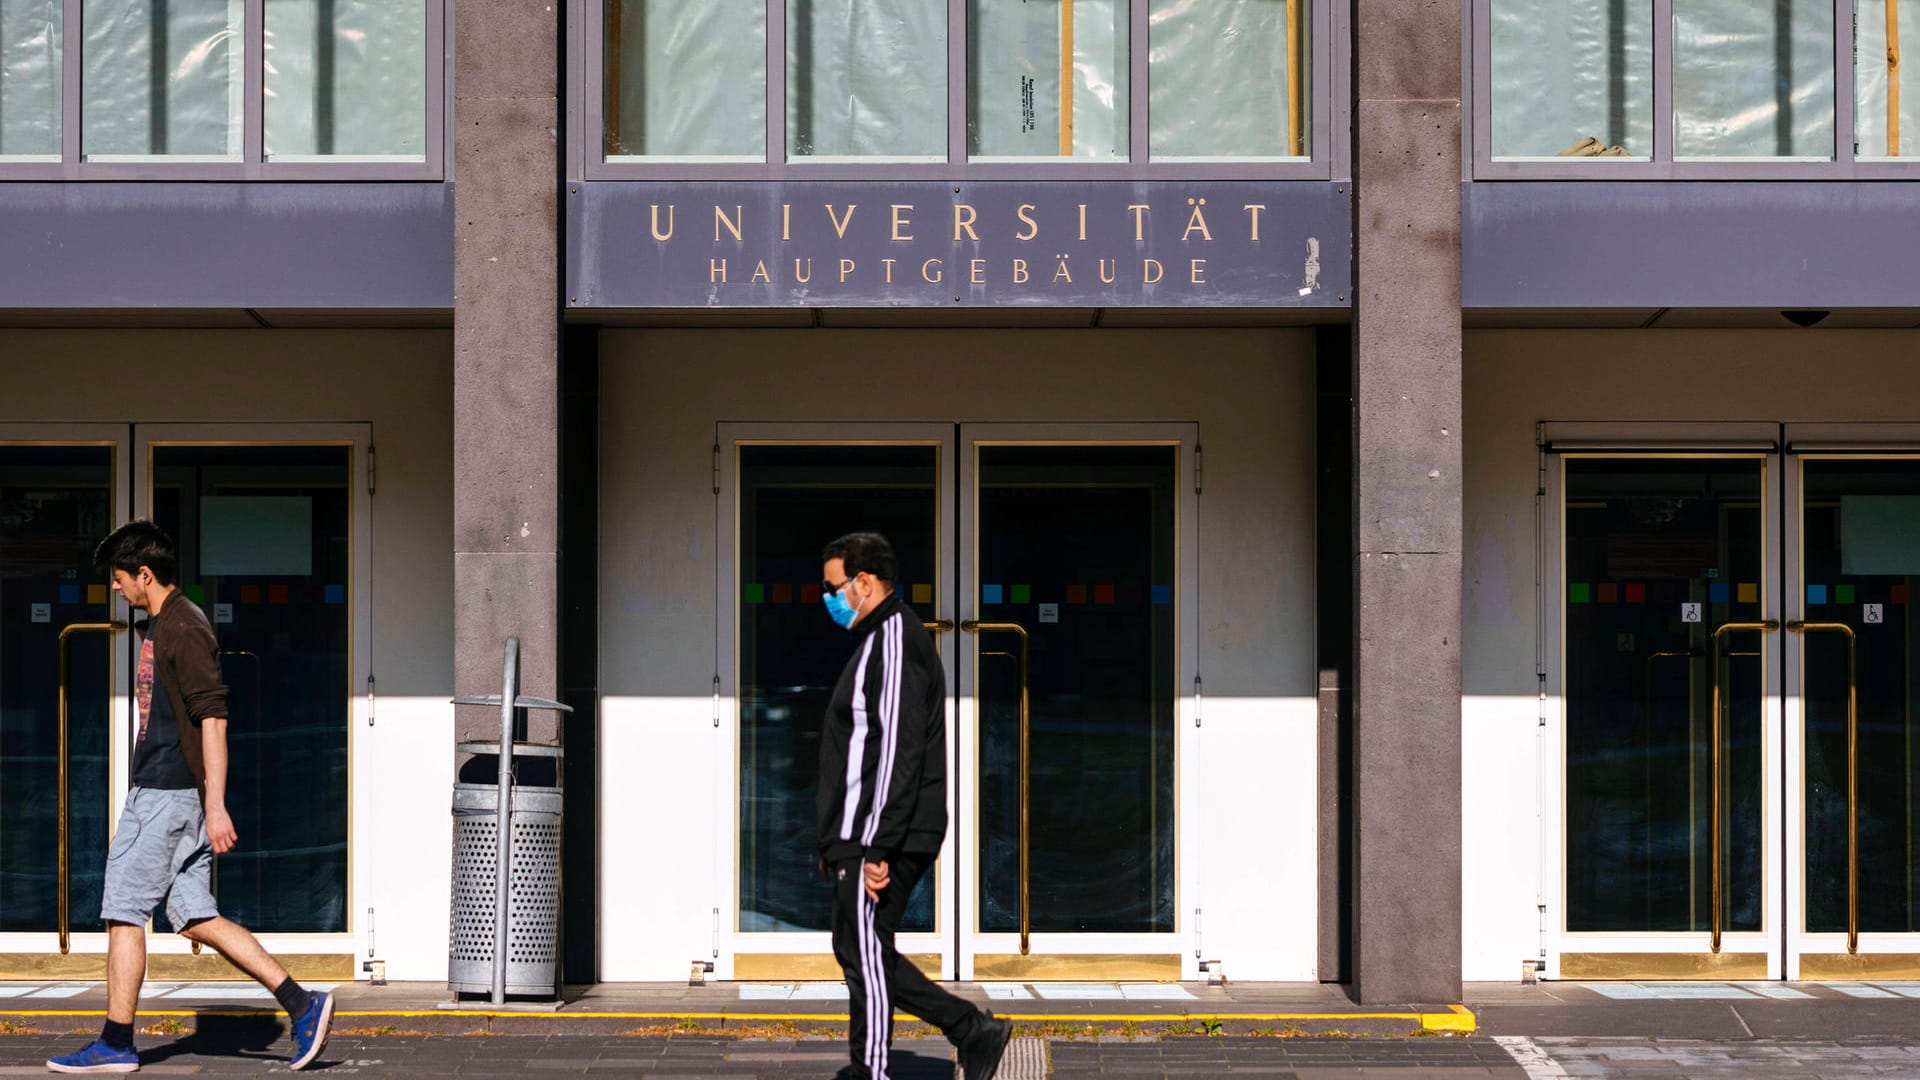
662, 393
401, 383
1514, 379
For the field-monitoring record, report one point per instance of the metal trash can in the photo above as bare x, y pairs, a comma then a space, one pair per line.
533, 875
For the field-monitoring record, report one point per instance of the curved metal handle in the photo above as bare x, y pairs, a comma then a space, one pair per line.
65, 773
938, 626
1764, 626
1853, 775
973, 626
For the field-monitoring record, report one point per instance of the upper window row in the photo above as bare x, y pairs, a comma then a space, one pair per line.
870, 81
224, 84
1700, 82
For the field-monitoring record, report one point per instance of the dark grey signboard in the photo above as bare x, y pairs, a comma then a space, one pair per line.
944, 244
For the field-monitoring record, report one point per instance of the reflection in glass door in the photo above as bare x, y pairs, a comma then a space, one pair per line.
1851, 688
1667, 646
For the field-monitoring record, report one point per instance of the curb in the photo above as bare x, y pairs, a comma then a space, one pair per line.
1457, 1021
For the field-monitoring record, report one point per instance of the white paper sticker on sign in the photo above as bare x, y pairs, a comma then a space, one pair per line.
1049, 613
43, 613
1872, 614
223, 613
1689, 612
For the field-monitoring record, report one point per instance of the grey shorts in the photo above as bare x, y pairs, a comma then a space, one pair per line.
160, 853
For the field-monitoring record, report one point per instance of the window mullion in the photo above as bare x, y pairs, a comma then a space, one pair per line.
72, 38
776, 83
253, 34
1846, 32
1663, 84
957, 82
1139, 54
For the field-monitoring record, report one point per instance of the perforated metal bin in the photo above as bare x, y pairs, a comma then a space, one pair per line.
533, 879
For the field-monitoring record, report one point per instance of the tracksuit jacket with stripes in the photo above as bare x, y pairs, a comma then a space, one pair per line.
883, 747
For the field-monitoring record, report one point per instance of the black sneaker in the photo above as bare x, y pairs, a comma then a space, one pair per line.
980, 1053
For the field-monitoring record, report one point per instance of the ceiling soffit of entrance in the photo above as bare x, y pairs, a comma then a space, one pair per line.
1685, 319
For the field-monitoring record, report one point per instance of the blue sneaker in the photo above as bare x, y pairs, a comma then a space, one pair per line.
98, 1057
310, 1030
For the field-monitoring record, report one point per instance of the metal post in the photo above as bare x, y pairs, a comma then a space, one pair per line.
509, 691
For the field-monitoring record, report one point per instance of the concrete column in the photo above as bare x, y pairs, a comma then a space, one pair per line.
506, 325
1407, 492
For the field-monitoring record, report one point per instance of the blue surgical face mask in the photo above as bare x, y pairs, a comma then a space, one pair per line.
838, 609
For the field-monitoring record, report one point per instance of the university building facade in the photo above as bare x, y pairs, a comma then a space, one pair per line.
1405, 493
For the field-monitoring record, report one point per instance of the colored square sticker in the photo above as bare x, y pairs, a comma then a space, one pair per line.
1843, 594
1162, 594
990, 594
1749, 592
1636, 594
783, 594
336, 594
1022, 594
922, 593
754, 594
1719, 592
810, 594
96, 594
1578, 593
1898, 594
69, 594
1816, 594
1076, 594
1103, 594
198, 593
1606, 593
249, 594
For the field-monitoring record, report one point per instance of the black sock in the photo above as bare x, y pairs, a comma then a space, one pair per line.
117, 1036
292, 997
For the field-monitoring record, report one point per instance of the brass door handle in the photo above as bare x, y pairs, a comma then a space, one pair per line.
974, 626
65, 773
1853, 774
938, 626
1764, 626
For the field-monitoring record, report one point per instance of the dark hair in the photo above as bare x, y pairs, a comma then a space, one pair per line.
134, 545
863, 552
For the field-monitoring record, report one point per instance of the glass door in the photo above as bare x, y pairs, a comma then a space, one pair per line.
1054, 565
1853, 810
62, 694
272, 527
1076, 666
1665, 623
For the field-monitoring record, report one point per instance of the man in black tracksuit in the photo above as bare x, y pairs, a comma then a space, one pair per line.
883, 809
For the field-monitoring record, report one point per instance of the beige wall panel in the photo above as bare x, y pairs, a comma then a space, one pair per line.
663, 391
401, 382
1513, 380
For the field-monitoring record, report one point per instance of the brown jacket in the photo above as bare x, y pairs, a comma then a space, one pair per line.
186, 662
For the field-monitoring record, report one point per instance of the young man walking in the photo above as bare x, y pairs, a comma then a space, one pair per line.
175, 819
883, 810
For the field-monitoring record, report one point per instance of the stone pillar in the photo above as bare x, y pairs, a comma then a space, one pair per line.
1407, 492
506, 325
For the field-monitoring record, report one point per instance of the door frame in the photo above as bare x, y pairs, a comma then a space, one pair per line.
37, 953
808, 956
1881, 955
313, 956
1102, 957
1687, 954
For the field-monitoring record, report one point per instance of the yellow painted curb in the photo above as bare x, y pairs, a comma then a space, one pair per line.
1458, 1020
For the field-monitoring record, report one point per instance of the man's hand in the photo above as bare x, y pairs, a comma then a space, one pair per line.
876, 879
220, 830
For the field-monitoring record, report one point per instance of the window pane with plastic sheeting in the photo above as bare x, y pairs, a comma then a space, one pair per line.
1047, 79
162, 78
1229, 79
1753, 79
1572, 79
686, 80
1885, 119
867, 79
346, 79
30, 67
